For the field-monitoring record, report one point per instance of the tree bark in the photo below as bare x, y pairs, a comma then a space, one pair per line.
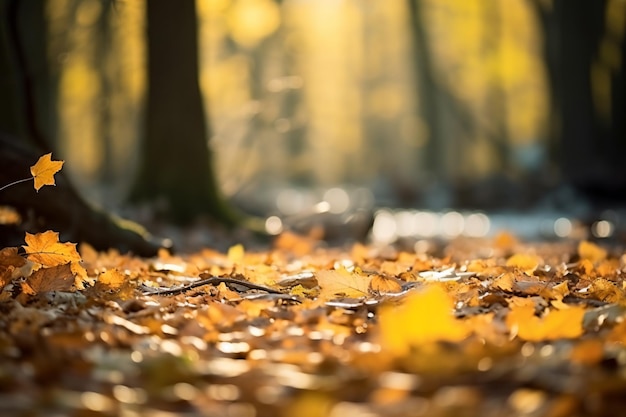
176, 166
24, 137
589, 150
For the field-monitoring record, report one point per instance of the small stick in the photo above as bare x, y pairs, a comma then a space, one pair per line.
209, 281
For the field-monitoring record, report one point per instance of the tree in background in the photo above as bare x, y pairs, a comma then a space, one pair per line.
585, 52
25, 131
176, 167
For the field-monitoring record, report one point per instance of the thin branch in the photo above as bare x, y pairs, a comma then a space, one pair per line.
17, 182
208, 281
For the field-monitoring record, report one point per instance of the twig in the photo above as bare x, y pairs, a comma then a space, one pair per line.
208, 281
16, 182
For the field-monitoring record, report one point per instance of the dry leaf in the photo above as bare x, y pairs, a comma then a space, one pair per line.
8, 215
236, 253
591, 251
43, 171
10, 257
525, 262
56, 278
46, 249
342, 282
112, 278
556, 324
588, 352
384, 285
425, 316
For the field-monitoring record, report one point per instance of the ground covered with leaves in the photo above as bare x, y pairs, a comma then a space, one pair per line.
486, 327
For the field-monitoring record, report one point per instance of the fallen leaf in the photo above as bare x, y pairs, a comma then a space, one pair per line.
605, 290
8, 215
525, 262
43, 171
556, 324
56, 278
46, 249
591, 251
588, 352
384, 285
112, 278
423, 317
10, 257
236, 253
340, 281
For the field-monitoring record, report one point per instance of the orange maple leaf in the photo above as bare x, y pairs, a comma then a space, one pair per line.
43, 171
46, 249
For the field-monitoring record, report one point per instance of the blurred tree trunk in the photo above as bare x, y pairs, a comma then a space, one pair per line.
26, 120
427, 91
25, 109
587, 129
176, 168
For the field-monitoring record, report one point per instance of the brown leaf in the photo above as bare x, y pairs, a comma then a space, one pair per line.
10, 257
56, 278
43, 171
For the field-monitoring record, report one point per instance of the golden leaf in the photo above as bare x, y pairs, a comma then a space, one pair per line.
425, 316
112, 278
46, 249
525, 262
591, 251
236, 253
342, 282
557, 324
43, 171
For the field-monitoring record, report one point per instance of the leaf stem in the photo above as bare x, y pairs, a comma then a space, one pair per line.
16, 182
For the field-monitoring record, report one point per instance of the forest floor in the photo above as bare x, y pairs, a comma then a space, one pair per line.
470, 327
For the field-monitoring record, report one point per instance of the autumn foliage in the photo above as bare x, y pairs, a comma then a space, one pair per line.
298, 329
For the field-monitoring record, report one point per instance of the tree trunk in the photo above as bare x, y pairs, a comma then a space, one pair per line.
589, 146
176, 166
24, 130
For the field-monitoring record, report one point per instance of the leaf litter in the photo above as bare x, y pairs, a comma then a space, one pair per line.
299, 329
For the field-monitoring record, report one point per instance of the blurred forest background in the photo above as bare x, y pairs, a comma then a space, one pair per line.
431, 104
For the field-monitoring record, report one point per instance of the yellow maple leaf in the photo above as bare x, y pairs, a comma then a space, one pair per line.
43, 171
46, 249
424, 317
557, 324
